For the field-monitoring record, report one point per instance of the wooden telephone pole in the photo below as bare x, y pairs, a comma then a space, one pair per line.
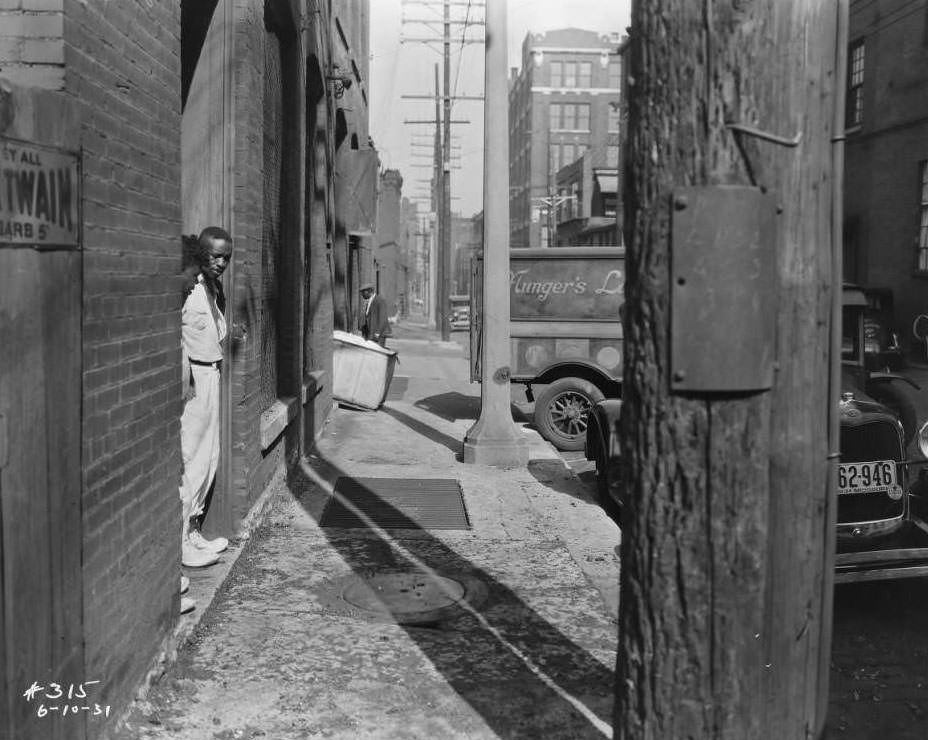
727, 548
442, 176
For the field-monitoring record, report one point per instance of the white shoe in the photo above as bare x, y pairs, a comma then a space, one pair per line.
191, 557
184, 584
201, 543
187, 604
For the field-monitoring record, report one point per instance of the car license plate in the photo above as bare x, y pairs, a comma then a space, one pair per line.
867, 477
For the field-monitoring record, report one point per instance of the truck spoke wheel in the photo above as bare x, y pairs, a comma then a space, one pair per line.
561, 412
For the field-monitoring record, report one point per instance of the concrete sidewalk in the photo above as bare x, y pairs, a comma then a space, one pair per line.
298, 642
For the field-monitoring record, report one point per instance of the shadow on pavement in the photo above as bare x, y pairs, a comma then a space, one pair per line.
556, 476
453, 405
429, 432
523, 676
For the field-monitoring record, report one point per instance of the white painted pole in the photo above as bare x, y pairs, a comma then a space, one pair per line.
494, 439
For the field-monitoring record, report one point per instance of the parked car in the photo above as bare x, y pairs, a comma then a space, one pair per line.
882, 485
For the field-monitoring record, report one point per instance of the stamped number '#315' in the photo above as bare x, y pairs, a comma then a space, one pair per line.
64, 700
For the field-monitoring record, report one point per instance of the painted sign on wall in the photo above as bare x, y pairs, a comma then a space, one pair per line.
39, 195
582, 288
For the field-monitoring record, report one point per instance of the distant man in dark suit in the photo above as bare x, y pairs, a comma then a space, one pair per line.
372, 319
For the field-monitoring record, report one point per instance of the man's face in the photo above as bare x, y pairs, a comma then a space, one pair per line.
218, 257
367, 293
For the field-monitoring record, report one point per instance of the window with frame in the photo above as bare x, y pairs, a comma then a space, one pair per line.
615, 117
569, 154
557, 74
612, 155
583, 116
570, 74
923, 216
554, 159
854, 114
585, 78
615, 74
554, 116
569, 120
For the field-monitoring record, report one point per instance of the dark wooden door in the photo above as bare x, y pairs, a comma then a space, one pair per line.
40, 485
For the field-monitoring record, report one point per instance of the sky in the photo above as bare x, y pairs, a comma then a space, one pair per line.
408, 68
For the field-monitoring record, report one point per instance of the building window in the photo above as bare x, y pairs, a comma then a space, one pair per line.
570, 74
569, 121
557, 74
612, 155
855, 84
615, 116
586, 74
583, 116
554, 116
615, 75
923, 213
569, 154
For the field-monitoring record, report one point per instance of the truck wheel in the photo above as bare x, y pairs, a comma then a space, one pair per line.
561, 412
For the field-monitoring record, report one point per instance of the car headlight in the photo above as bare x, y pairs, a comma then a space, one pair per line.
923, 440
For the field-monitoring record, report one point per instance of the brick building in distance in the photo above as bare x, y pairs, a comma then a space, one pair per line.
564, 101
886, 154
123, 126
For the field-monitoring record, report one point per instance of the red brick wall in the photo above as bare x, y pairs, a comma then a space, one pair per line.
122, 68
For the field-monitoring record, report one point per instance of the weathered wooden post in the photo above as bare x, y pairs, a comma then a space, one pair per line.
725, 558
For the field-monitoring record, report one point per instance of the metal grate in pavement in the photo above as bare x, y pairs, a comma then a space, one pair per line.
397, 503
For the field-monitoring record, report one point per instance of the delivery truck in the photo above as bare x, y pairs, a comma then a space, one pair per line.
566, 334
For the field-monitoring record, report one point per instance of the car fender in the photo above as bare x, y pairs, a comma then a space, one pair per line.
603, 421
886, 377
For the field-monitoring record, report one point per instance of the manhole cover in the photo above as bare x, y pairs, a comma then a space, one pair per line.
399, 593
408, 597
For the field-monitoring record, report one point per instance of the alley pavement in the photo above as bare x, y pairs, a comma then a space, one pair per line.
505, 629
294, 639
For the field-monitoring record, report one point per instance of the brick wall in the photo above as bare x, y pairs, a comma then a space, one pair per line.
32, 42
122, 69
253, 467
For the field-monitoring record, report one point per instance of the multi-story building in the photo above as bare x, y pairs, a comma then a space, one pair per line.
563, 102
886, 153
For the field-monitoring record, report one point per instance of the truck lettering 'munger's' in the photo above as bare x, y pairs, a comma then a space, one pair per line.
566, 334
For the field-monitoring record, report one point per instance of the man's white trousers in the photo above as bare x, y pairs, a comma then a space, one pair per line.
199, 441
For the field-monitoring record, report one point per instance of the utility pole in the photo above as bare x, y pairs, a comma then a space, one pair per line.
443, 143
494, 439
728, 517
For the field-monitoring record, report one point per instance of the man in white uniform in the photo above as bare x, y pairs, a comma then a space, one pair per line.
203, 329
